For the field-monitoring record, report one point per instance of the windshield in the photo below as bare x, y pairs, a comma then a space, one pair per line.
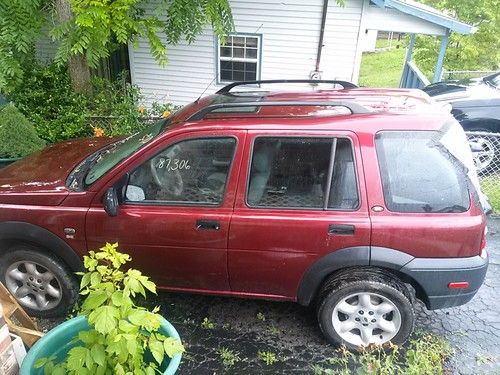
493, 80
122, 150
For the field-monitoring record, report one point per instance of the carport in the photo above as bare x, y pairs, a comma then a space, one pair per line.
408, 16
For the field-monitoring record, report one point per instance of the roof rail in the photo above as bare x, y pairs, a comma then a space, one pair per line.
355, 108
344, 84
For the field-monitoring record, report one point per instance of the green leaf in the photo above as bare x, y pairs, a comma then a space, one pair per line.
88, 337
100, 370
104, 319
41, 362
94, 300
119, 299
157, 349
149, 285
119, 369
127, 327
89, 263
95, 278
85, 280
138, 317
99, 354
173, 346
76, 358
49, 368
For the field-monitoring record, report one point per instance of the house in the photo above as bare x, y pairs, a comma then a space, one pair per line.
287, 39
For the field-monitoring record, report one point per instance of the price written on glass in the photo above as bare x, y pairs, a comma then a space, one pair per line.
173, 164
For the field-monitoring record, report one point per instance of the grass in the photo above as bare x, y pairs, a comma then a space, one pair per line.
268, 357
229, 357
490, 185
382, 69
425, 354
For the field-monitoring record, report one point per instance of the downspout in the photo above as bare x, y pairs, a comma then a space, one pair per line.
321, 33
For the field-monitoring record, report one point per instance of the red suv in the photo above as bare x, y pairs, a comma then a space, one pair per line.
355, 201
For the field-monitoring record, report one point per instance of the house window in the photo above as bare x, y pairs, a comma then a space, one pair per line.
239, 58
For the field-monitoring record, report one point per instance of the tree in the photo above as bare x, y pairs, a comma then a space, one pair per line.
88, 30
479, 51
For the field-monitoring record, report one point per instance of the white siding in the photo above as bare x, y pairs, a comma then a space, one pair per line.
392, 20
342, 31
45, 48
290, 34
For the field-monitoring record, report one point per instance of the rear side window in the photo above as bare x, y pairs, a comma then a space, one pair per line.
314, 173
419, 174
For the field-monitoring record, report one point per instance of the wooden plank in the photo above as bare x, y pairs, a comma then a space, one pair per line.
17, 319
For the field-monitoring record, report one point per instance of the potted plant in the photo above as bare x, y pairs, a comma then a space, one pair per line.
18, 136
112, 334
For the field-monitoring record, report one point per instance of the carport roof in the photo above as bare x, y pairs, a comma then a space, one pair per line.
427, 13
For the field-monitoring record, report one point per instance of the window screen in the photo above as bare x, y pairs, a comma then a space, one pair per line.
293, 173
192, 171
419, 174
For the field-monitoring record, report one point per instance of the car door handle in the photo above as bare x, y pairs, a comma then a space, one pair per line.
341, 229
207, 225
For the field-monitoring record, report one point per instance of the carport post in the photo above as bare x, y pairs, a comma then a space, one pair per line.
442, 52
409, 52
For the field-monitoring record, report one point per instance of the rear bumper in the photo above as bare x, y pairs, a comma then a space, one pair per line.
434, 274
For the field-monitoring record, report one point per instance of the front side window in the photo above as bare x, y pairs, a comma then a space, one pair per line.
419, 174
189, 172
294, 173
239, 58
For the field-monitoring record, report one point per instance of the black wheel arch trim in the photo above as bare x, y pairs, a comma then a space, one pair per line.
348, 257
326, 265
33, 234
428, 276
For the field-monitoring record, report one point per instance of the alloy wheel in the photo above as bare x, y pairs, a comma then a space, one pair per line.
362, 319
33, 285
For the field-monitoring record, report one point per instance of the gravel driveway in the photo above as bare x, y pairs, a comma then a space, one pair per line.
290, 331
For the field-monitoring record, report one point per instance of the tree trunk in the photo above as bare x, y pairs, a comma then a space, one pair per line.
78, 68
79, 73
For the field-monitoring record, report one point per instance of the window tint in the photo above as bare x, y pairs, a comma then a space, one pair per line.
193, 171
419, 174
344, 189
293, 172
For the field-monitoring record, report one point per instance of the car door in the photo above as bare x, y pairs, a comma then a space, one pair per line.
301, 196
175, 211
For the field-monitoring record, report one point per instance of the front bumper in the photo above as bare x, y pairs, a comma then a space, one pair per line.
434, 274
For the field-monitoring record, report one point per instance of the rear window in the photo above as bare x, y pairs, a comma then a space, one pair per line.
419, 174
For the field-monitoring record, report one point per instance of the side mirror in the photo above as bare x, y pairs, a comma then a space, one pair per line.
110, 202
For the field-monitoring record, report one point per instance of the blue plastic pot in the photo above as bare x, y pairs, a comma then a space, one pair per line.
58, 342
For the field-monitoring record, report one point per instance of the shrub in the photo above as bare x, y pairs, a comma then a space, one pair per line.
17, 135
47, 100
114, 106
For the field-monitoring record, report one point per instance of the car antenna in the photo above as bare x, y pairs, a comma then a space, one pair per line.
228, 61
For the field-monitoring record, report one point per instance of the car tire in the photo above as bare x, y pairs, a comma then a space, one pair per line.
41, 283
358, 309
486, 160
